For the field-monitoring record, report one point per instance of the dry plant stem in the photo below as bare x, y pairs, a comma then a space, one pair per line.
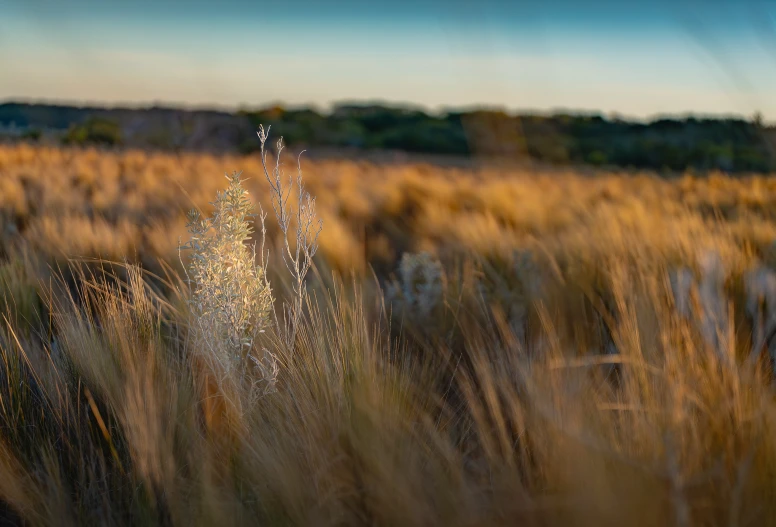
299, 257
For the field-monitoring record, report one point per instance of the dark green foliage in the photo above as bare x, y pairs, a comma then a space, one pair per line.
95, 132
734, 145
32, 134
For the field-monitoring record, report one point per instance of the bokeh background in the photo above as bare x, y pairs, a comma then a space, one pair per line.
633, 84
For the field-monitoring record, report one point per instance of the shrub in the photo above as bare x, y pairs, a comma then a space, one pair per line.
33, 134
418, 293
94, 131
231, 296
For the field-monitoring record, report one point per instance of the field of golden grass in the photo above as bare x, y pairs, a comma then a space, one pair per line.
555, 349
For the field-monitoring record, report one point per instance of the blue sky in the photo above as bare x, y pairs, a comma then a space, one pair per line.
639, 59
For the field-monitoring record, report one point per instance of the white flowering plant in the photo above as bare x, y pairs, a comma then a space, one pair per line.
231, 298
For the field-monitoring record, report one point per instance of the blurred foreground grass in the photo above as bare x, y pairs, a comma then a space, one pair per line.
483, 347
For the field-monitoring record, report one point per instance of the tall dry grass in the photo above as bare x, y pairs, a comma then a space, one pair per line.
115, 204
571, 351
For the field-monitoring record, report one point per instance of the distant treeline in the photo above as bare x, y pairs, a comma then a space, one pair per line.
674, 144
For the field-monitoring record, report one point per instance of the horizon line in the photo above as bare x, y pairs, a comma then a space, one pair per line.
329, 108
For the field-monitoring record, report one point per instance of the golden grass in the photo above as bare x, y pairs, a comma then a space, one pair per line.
89, 203
554, 383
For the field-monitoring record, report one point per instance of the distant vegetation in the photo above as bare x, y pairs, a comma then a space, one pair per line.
93, 131
733, 145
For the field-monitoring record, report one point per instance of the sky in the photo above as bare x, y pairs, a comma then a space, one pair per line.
630, 57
